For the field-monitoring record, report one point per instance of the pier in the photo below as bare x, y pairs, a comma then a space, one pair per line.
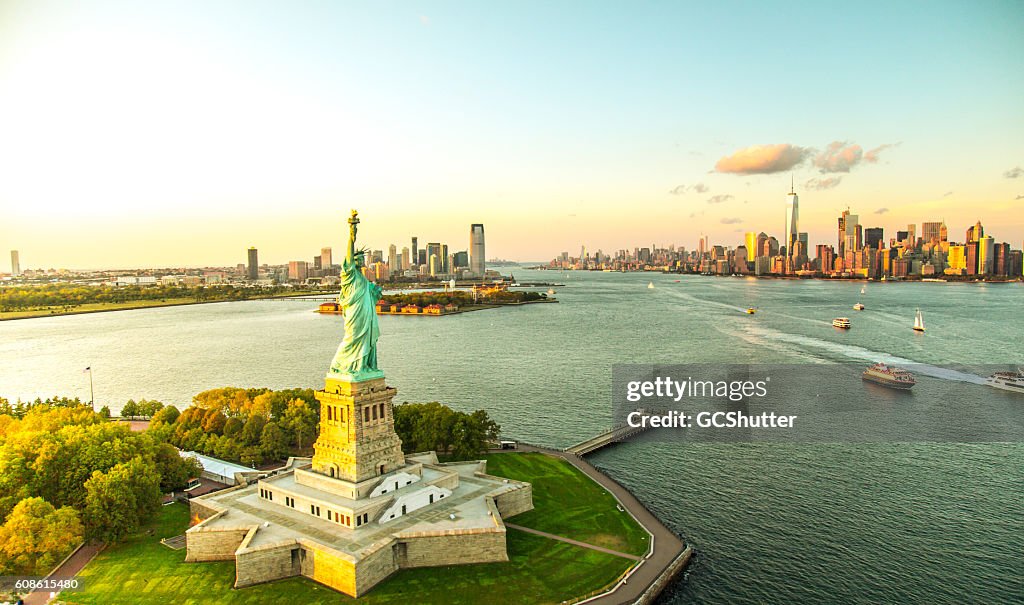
612, 435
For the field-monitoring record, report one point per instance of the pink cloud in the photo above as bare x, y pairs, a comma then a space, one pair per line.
763, 159
839, 157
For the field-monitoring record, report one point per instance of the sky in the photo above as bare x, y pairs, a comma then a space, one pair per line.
181, 133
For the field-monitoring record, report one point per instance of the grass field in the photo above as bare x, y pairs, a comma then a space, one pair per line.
568, 503
141, 570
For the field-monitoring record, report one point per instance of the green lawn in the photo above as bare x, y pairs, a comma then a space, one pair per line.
568, 503
141, 570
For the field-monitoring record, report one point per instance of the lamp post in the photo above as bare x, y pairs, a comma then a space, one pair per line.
92, 396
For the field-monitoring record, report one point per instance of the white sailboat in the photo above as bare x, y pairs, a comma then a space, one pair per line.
650, 285
862, 289
918, 322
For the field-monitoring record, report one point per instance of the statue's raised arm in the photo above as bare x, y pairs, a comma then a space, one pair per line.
356, 358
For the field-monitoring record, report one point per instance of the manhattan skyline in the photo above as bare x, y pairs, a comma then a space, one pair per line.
177, 134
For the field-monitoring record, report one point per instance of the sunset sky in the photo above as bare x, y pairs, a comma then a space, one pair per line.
178, 134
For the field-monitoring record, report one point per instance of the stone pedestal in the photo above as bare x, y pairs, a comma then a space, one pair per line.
357, 438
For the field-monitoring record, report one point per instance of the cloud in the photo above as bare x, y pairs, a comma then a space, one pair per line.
718, 199
1019, 197
731, 221
871, 156
825, 183
1014, 173
947, 194
681, 189
838, 157
881, 211
763, 159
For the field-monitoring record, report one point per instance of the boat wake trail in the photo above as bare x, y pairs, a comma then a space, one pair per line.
862, 354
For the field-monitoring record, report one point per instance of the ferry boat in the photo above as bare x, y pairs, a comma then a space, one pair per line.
889, 376
918, 322
858, 307
751, 310
1007, 381
841, 322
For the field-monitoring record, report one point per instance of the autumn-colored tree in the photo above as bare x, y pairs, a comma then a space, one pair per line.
302, 421
118, 501
36, 536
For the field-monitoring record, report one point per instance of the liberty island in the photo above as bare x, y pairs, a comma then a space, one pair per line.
359, 510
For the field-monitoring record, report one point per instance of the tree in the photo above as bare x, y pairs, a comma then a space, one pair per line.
130, 409
105, 411
233, 426
166, 415
175, 470
36, 536
119, 500
215, 422
253, 430
274, 442
301, 421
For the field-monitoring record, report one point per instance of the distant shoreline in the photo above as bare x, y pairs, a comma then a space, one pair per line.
130, 306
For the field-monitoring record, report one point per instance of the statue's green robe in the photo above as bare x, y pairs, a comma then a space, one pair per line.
357, 355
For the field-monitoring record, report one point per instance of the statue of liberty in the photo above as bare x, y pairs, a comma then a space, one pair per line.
357, 356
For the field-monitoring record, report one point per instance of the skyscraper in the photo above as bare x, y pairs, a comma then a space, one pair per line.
15, 264
750, 243
406, 259
298, 270
975, 233
252, 271
873, 236
393, 258
841, 246
325, 258
477, 264
931, 232
415, 258
792, 225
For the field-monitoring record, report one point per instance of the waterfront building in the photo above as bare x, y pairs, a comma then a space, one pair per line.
956, 260
762, 238
477, 264
15, 263
873, 237
972, 257
792, 227
986, 255
750, 245
975, 233
253, 268
851, 234
841, 245
298, 270
934, 232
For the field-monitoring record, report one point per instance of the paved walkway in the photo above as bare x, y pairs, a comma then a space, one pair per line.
70, 568
570, 541
667, 547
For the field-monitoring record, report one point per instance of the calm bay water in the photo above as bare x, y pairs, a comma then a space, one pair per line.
838, 523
